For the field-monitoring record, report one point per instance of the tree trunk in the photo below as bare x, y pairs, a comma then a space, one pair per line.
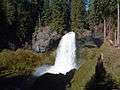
115, 37
104, 30
110, 33
118, 23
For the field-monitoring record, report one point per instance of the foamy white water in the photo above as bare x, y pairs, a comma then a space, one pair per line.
65, 57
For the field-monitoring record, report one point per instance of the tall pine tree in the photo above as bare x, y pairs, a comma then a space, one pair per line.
58, 8
78, 14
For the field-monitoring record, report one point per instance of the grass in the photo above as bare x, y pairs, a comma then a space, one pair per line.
23, 61
112, 61
88, 62
87, 69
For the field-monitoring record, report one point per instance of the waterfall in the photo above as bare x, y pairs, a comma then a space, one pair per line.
65, 57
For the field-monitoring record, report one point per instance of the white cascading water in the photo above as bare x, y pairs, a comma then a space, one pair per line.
65, 57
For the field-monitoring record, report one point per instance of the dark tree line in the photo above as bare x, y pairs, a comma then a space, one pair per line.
20, 18
17, 22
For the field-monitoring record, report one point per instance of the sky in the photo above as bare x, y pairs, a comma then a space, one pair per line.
87, 2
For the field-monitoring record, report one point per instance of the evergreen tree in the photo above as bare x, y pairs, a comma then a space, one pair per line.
78, 14
3, 26
46, 13
103, 11
58, 8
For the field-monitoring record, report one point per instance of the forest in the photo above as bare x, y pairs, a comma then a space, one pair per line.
31, 29
20, 18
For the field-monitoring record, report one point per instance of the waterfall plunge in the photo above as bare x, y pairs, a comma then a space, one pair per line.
65, 57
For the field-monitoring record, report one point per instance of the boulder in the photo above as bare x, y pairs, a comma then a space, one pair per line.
45, 39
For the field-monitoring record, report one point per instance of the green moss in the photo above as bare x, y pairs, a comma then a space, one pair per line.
88, 62
87, 69
112, 61
23, 61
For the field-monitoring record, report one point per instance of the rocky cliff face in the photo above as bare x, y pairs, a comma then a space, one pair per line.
45, 39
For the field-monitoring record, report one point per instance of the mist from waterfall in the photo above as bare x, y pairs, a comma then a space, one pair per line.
65, 57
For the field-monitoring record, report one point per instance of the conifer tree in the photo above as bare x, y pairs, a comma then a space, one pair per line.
58, 8
3, 26
78, 14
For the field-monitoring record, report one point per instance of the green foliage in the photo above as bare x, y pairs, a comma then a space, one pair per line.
86, 70
88, 59
23, 17
20, 17
101, 9
22, 61
78, 14
46, 13
58, 8
3, 25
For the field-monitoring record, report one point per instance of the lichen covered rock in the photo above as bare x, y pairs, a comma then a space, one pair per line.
45, 39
